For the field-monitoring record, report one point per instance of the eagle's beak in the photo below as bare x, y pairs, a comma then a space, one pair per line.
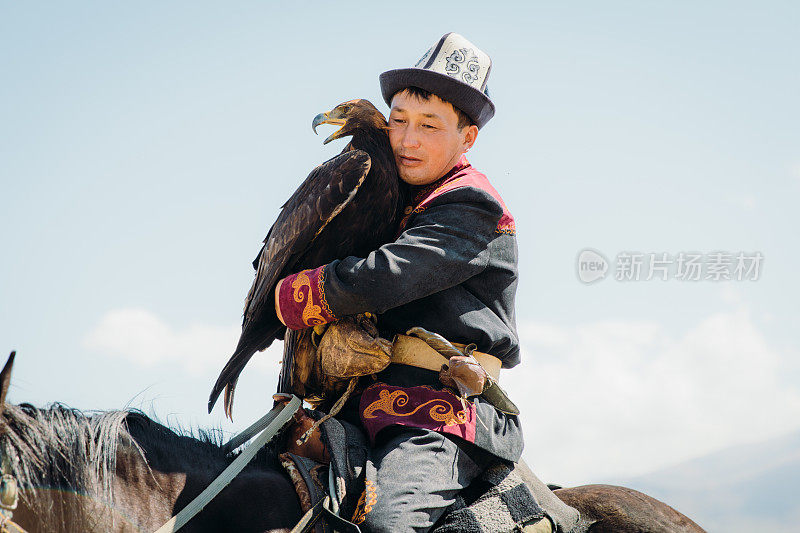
322, 118
335, 116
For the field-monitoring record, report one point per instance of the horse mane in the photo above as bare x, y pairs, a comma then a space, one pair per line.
62, 449
66, 449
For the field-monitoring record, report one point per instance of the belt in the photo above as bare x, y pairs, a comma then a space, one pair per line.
413, 351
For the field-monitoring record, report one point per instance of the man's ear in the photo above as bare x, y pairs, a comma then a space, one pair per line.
470, 136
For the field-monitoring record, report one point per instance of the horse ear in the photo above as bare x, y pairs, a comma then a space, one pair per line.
5, 379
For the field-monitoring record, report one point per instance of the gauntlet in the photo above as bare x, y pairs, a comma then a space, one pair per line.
351, 348
325, 360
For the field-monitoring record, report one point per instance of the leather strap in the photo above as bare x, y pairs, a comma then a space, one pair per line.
279, 416
413, 351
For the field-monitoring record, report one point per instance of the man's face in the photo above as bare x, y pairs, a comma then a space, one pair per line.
425, 137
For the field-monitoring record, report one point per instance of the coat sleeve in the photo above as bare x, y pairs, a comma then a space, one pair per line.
443, 245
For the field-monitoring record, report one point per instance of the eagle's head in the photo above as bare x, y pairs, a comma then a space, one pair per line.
353, 116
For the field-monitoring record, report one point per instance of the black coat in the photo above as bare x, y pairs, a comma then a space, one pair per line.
452, 270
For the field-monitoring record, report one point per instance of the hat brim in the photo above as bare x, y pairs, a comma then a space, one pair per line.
471, 101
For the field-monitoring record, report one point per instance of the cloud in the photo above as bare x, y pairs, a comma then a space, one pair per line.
142, 338
613, 399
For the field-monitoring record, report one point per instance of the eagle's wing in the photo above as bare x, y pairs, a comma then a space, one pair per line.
322, 196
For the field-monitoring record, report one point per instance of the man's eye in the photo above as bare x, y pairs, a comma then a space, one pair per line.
429, 126
398, 120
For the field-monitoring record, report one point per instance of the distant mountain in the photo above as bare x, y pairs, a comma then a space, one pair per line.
753, 487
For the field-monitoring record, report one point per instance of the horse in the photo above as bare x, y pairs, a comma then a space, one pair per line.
121, 471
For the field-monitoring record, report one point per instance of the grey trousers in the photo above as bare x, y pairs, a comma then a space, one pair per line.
413, 475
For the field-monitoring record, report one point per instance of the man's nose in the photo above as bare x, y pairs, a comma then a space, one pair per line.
409, 139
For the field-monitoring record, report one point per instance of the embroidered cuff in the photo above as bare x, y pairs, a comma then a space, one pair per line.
302, 299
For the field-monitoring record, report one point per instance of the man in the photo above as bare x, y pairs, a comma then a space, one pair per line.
453, 271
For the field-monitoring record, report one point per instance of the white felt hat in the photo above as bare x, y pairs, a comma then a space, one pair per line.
453, 69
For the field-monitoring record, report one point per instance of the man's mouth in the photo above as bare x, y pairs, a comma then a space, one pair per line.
408, 160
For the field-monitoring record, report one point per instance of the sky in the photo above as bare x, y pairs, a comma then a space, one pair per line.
145, 150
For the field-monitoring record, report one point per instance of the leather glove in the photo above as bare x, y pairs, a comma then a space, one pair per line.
351, 347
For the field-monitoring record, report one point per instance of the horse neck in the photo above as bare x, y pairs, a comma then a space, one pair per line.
158, 471
145, 495
168, 471
119, 471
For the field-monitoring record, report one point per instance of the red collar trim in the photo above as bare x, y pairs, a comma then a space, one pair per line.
421, 194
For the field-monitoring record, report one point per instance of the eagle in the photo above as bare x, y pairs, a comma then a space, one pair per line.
348, 206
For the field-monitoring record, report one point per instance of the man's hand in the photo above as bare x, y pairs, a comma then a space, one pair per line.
312, 446
277, 304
